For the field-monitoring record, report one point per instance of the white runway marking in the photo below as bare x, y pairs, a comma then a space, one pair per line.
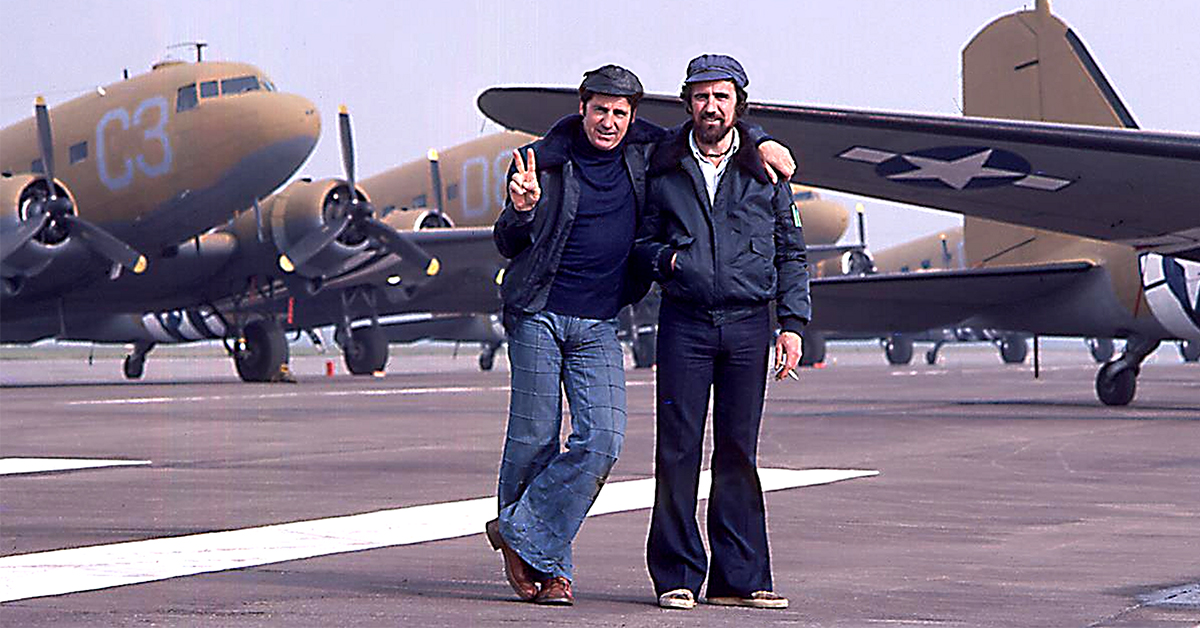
65, 571
13, 466
370, 392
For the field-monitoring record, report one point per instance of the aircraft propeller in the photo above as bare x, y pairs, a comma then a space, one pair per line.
858, 261
58, 212
356, 213
435, 179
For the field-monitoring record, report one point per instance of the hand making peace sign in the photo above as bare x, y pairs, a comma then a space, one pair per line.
523, 189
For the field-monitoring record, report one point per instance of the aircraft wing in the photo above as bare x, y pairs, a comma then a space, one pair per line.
922, 300
1123, 185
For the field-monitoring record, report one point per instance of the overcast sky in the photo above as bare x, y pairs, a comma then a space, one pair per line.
410, 72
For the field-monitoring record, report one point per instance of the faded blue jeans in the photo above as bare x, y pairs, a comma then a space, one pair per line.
545, 491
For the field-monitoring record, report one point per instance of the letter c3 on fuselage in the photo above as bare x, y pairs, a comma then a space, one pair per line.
156, 133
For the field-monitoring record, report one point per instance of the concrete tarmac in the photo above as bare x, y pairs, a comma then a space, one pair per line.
1001, 500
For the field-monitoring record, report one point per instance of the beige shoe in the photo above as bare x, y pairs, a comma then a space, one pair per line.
677, 598
758, 599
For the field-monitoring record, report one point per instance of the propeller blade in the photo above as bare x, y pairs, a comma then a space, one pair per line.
435, 177
46, 142
106, 244
347, 140
258, 223
11, 242
313, 243
402, 245
862, 225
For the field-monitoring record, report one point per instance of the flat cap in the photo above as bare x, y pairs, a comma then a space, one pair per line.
716, 68
611, 80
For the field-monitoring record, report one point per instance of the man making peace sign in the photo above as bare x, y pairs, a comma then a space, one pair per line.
575, 199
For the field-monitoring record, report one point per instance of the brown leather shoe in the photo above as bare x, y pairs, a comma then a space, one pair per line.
515, 568
555, 592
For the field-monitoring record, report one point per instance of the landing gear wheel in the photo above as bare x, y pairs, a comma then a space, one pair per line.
812, 349
644, 346
1102, 349
487, 357
262, 350
1116, 384
134, 367
1189, 350
1013, 349
367, 351
898, 350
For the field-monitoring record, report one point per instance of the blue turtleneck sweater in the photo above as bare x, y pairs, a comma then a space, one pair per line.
591, 272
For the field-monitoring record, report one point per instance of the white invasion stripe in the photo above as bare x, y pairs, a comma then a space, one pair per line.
155, 329
65, 571
304, 393
869, 155
13, 466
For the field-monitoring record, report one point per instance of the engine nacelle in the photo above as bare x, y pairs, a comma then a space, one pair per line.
304, 208
417, 219
23, 198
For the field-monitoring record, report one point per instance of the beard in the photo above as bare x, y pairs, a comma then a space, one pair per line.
712, 134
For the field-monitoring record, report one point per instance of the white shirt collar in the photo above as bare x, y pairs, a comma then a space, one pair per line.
712, 173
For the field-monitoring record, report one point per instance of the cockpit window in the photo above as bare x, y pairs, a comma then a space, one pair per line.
267, 84
239, 85
803, 195
186, 98
208, 89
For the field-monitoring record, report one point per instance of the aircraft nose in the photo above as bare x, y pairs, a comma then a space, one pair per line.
298, 118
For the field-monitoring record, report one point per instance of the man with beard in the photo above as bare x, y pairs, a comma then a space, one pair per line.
575, 199
724, 242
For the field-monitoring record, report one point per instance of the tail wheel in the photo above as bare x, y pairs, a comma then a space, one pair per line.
898, 349
1013, 349
134, 367
367, 351
261, 351
644, 347
1116, 384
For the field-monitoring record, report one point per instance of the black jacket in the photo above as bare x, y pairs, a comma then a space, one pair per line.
534, 240
737, 253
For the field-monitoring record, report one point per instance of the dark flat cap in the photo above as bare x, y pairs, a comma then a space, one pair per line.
611, 80
716, 68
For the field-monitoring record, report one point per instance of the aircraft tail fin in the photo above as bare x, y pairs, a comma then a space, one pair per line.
1030, 65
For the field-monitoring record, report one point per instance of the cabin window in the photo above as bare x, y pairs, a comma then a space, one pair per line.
926, 263
78, 152
208, 89
451, 191
239, 85
420, 201
186, 98
805, 195
904, 269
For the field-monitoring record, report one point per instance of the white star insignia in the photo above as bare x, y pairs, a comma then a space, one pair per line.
956, 174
